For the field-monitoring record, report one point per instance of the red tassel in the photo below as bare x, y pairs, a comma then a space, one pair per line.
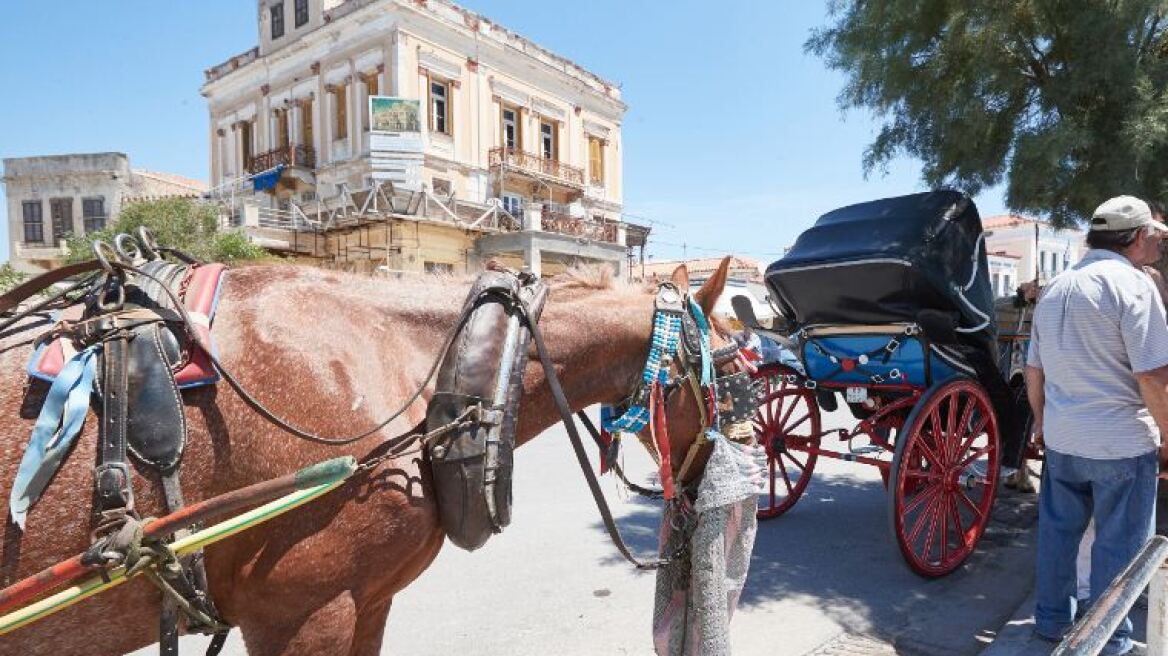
661, 437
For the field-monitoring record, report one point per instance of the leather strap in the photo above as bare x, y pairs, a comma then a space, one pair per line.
27, 289
112, 475
582, 456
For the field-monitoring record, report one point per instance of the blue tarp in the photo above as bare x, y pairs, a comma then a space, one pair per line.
267, 179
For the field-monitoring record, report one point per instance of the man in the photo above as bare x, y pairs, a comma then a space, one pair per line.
1097, 381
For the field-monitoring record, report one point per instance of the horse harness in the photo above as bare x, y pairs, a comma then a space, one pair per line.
132, 338
136, 331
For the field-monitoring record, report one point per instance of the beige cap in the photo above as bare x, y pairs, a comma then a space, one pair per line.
1123, 213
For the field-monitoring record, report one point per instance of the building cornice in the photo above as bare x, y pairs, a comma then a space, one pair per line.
433, 20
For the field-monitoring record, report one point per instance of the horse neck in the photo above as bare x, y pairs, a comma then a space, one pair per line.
598, 342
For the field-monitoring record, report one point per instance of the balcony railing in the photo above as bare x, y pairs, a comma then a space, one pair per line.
290, 155
564, 224
534, 164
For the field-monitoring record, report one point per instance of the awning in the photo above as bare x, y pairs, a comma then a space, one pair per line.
267, 179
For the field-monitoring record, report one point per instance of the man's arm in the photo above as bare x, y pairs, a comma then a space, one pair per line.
1154, 390
1036, 394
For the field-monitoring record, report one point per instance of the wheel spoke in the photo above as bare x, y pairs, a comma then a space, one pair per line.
927, 452
957, 522
802, 467
932, 494
788, 429
929, 493
943, 514
786, 478
936, 434
933, 512
982, 422
787, 414
951, 428
974, 456
972, 506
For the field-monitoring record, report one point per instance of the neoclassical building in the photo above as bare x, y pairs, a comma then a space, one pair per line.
514, 151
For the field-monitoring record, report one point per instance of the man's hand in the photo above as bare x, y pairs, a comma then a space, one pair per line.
1036, 435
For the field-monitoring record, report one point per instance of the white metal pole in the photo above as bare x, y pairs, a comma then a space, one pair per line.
1158, 613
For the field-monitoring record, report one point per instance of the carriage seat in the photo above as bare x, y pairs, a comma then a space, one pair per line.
877, 354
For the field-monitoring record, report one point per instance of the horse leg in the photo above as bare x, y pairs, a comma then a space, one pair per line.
370, 630
327, 630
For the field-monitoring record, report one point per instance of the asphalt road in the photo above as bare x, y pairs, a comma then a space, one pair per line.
825, 579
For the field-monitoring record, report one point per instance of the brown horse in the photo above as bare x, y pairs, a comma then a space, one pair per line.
333, 353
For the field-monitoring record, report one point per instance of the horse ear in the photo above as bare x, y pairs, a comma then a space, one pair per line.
712, 288
680, 278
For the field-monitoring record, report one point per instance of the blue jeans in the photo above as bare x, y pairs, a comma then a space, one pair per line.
1121, 496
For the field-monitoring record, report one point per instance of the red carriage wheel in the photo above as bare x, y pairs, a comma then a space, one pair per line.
786, 424
944, 476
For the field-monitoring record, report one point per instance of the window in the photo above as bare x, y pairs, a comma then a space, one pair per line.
340, 102
61, 210
371, 89
513, 204
547, 140
277, 20
997, 286
306, 122
440, 107
34, 226
596, 161
93, 214
301, 12
511, 130
441, 186
245, 144
282, 136
438, 267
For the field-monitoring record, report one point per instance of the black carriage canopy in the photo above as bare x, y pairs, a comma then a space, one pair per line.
884, 261
908, 259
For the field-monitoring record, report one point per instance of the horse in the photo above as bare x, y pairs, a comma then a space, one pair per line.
333, 353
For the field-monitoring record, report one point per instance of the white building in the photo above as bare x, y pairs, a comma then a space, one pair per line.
1037, 249
471, 111
53, 196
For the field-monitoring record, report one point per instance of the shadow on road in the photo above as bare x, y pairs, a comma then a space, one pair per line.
834, 553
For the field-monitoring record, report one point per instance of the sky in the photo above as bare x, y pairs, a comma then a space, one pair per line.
733, 141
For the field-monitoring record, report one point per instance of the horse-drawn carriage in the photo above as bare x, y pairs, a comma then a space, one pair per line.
889, 307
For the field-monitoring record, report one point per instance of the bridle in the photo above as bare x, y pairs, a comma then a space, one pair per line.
680, 358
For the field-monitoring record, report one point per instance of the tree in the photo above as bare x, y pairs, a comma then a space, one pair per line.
9, 277
1065, 100
181, 223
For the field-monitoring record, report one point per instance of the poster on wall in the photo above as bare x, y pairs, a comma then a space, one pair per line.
395, 124
395, 140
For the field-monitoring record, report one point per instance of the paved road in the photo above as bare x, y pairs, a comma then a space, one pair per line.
826, 578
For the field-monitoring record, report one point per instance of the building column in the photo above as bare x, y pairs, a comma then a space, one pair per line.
532, 258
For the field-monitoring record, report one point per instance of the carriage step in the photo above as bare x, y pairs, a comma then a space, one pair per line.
865, 450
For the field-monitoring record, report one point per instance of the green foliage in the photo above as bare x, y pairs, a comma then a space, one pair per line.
176, 223
9, 277
1065, 100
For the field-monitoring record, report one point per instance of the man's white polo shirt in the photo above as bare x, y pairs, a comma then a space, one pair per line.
1096, 326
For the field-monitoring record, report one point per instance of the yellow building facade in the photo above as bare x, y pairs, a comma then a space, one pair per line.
517, 154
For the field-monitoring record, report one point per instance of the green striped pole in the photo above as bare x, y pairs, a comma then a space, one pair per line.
181, 547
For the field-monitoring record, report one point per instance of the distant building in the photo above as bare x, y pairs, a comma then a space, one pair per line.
53, 196
745, 277
1037, 250
411, 136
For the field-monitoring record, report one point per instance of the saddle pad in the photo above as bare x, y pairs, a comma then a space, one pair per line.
201, 300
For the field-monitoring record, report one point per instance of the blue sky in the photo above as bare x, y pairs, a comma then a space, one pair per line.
732, 142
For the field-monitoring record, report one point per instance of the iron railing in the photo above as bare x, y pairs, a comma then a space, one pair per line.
290, 155
526, 162
1090, 634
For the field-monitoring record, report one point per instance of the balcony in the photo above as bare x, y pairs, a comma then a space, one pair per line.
40, 251
290, 155
524, 162
560, 222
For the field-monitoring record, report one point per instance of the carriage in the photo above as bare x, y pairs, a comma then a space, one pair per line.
889, 309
